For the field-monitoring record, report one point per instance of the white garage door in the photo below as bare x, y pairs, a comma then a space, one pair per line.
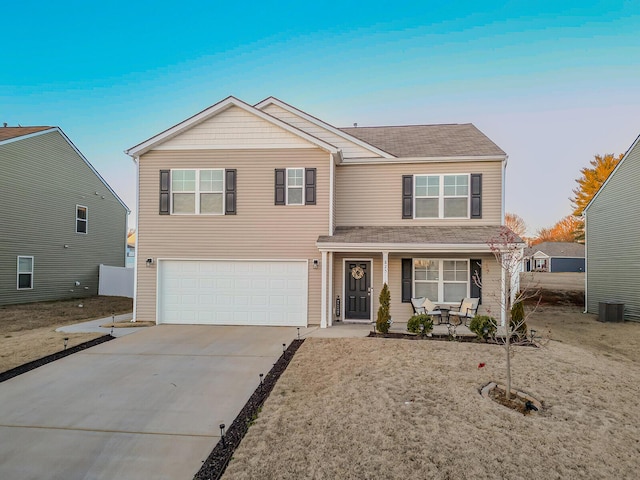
223, 292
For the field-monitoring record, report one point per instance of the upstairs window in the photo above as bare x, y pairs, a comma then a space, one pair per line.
197, 192
25, 273
441, 196
294, 186
82, 219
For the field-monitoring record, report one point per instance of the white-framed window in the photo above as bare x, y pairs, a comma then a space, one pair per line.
24, 280
295, 186
441, 196
82, 219
441, 280
197, 192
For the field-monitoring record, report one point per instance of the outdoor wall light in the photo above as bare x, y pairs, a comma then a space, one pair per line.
149, 262
77, 283
316, 262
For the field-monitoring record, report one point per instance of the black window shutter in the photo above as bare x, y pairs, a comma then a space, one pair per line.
230, 191
475, 274
406, 279
476, 195
165, 182
310, 186
407, 198
281, 198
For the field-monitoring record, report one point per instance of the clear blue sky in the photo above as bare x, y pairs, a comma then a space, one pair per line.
551, 82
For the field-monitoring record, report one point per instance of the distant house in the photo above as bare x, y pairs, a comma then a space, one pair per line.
554, 257
60, 219
612, 222
131, 251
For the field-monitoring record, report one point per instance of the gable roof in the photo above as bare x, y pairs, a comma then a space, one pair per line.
557, 249
322, 124
211, 111
627, 153
9, 133
22, 133
452, 140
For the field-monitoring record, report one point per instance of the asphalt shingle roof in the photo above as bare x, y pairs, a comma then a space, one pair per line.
454, 140
557, 249
7, 133
414, 235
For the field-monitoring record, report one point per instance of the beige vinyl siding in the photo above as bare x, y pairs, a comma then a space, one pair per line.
612, 239
400, 312
234, 127
42, 181
259, 230
371, 195
349, 149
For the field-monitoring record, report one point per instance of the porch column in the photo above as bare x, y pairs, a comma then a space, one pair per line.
330, 293
323, 301
385, 267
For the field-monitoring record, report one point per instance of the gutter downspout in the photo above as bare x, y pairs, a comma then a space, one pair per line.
586, 258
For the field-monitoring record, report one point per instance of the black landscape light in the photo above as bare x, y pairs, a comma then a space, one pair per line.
298, 333
261, 375
66, 340
224, 443
284, 350
533, 334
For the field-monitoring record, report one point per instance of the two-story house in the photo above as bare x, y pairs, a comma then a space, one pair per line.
60, 219
266, 215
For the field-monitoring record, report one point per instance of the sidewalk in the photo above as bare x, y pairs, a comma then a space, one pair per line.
96, 326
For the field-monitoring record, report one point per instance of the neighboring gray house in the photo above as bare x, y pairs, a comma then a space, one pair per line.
612, 221
554, 257
60, 219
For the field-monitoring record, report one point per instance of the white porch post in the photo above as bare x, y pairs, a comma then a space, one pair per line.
323, 302
385, 267
330, 294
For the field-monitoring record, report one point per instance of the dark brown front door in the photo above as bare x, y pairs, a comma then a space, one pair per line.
357, 282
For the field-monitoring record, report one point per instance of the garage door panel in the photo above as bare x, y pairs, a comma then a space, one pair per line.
233, 292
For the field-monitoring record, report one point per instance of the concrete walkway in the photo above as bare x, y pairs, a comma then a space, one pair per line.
95, 326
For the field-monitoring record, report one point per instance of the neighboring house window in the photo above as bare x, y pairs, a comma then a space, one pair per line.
441, 196
199, 192
294, 186
445, 281
25, 273
82, 219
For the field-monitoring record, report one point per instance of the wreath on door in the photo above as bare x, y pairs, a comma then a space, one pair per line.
357, 273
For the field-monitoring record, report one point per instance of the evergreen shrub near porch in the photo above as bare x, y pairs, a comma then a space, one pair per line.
383, 321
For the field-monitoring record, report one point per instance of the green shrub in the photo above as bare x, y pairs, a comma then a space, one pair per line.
421, 324
483, 326
518, 324
383, 322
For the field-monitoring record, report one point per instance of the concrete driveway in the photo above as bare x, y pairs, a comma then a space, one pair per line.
146, 405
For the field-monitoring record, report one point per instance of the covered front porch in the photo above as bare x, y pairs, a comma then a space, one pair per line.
435, 262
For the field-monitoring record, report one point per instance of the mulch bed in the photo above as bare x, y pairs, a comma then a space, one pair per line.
27, 367
410, 336
215, 465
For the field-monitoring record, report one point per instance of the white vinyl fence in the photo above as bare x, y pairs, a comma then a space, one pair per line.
116, 281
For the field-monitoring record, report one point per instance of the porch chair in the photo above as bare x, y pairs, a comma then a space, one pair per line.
424, 305
465, 312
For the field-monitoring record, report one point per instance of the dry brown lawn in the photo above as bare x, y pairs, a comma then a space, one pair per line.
27, 332
370, 408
